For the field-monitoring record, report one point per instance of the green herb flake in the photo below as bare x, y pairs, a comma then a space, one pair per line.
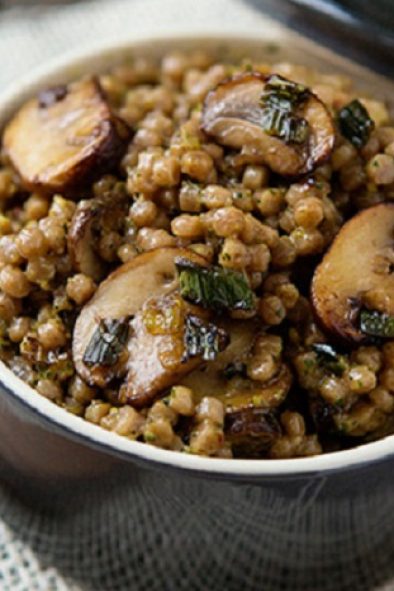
355, 123
214, 288
149, 436
203, 339
279, 100
377, 324
107, 343
329, 359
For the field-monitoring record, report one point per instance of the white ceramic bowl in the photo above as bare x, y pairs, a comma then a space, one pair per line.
47, 453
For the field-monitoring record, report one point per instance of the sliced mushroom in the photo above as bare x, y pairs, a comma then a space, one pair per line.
357, 273
141, 294
65, 137
290, 131
163, 349
93, 218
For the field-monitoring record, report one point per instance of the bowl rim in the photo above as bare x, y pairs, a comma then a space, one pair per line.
75, 427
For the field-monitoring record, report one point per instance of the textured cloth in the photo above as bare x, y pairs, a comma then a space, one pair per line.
29, 37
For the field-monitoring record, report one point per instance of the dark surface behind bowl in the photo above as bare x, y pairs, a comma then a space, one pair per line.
362, 30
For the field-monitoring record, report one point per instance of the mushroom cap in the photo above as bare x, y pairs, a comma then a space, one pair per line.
349, 275
233, 114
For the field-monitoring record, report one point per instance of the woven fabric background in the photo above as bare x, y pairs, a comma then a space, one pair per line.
29, 37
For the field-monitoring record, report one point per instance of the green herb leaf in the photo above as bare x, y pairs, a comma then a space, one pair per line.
279, 100
107, 342
203, 339
376, 324
328, 358
355, 123
214, 287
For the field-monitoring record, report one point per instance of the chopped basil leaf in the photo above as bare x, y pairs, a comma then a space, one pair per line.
203, 339
107, 342
328, 358
214, 287
355, 123
376, 324
279, 100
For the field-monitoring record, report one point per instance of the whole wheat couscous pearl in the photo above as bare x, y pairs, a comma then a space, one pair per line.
198, 165
62, 209
31, 242
51, 334
387, 379
187, 226
308, 212
54, 232
9, 252
228, 221
212, 409
18, 328
181, 400
293, 423
50, 389
80, 288
269, 201
143, 213
272, 310
215, 197
262, 367
159, 433
206, 439
14, 282
80, 391
255, 177
234, 254
380, 169
150, 238
36, 207
284, 253
361, 379
333, 390
40, 270
9, 307
166, 171
260, 257
382, 398
8, 187
96, 411
126, 252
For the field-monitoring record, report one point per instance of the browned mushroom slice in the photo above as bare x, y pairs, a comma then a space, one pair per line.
65, 137
279, 121
135, 296
170, 339
92, 219
357, 273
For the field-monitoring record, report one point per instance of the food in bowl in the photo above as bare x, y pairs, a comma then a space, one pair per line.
199, 255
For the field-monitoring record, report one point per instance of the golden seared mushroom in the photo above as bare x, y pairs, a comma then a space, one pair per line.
65, 137
270, 118
92, 219
250, 405
138, 324
170, 338
353, 287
